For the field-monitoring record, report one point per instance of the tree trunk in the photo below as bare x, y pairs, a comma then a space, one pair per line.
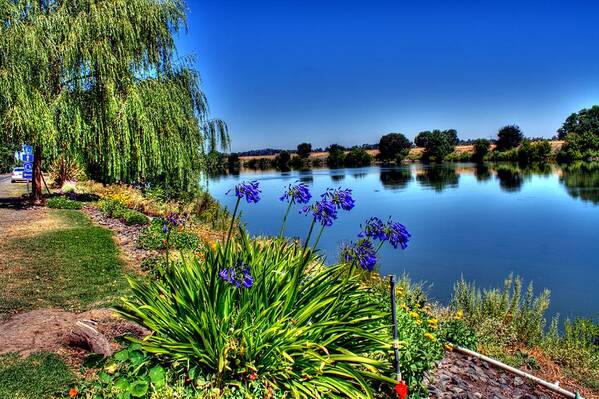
36, 181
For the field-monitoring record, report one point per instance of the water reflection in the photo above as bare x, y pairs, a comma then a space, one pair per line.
510, 178
439, 177
582, 181
482, 172
306, 176
395, 179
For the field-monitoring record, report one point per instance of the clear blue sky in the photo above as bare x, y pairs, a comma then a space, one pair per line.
283, 72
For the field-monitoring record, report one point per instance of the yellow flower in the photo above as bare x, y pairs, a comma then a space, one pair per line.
404, 307
414, 314
433, 326
418, 322
430, 336
433, 321
459, 315
448, 347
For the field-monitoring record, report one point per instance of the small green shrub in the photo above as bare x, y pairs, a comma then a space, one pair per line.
457, 332
63, 203
133, 217
153, 238
112, 208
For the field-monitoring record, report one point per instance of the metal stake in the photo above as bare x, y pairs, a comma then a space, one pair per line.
394, 316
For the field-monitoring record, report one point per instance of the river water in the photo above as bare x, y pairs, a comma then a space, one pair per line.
480, 222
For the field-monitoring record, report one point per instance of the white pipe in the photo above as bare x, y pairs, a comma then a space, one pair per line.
553, 387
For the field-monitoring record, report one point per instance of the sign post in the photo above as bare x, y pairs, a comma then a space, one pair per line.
27, 158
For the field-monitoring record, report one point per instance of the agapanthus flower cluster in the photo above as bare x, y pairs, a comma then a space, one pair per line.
375, 229
238, 275
173, 220
342, 198
248, 190
297, 193
394, 232
323, 211
361, 252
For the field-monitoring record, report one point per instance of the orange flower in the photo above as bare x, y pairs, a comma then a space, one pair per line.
73, 392
401, 389
448, 347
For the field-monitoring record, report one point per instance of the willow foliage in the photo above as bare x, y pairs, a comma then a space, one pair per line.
99, 80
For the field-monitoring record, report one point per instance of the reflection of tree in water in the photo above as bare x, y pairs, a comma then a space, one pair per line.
482, 172
439, 177
510, 178
359, 175
306, 176
395, 178
537, 169
581, 180
337, 177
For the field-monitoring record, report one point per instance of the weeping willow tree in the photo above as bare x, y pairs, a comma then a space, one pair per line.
99, 81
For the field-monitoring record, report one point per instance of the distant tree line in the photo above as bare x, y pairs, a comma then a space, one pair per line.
580, 131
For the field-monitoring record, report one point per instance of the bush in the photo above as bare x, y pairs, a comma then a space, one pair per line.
480, 149
439, 144
153, 238
393, 146
539, 151
283, 330
510, 314
112, 208
336, 157
509, 137
357, 157
134, 217
580, 146
63, 203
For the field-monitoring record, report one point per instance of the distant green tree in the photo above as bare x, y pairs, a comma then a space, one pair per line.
357, 157
336, 157
508, 137
480, 149
439, 144
529, 151
579, 146
393, 146
583, 121
304, 150
282, 159
422, 138
233, 161
452, 134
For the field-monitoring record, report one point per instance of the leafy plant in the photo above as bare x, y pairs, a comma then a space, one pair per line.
133, 217
153, 237
63, 203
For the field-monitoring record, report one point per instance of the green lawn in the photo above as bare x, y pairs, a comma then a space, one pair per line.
60, 259
41, 375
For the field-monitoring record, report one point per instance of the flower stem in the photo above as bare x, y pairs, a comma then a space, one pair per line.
318, 238
231, 226
285, 218
309, 236
379, 247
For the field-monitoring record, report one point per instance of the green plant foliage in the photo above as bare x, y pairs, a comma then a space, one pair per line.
135, 217
63, 203
112, 208
507, 315
304, 150
584, 121
393, 146
509, 137
309, 335
580, 146
336, 157
357, 157
539, 151
102, 84
439, 144
480, 149
457, 332
153, 238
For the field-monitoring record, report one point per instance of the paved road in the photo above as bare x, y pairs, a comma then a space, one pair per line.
11, 190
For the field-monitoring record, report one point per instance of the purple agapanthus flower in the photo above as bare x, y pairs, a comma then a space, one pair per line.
297, 193
324, 211
239, 275
375, 229
342, 198
394, 232
362, 252
173, 220
248, 190
398, 234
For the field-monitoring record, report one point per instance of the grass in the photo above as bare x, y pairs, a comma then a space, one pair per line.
50, 374
58, 259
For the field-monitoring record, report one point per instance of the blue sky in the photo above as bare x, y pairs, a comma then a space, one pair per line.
283, 72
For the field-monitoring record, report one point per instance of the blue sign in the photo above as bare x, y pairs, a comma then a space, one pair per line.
27, 170
27, 149
25, 157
